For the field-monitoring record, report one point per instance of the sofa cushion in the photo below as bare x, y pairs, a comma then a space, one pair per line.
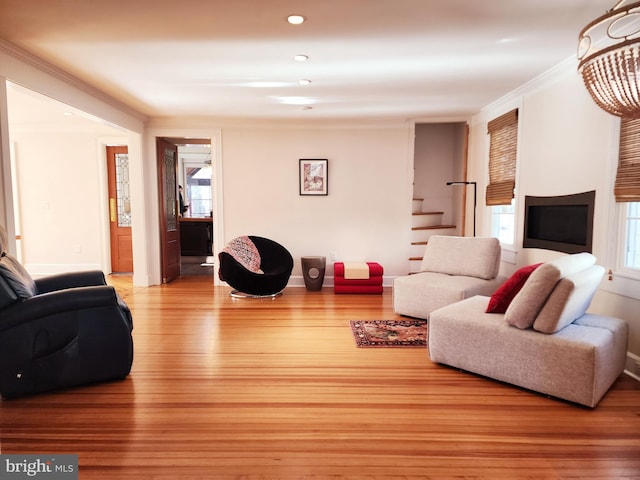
569, 300
4, 240
505, 293
526, 305
469, 256
15, 282
419, 294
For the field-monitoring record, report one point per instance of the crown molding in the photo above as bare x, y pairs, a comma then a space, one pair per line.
549, 77
38, 63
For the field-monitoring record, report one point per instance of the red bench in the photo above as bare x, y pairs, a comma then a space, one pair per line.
372, 284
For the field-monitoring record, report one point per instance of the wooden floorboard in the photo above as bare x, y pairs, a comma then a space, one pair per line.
276, 389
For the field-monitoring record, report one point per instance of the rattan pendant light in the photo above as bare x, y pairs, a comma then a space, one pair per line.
609, 56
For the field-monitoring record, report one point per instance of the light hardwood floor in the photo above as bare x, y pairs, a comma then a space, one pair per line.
276, 389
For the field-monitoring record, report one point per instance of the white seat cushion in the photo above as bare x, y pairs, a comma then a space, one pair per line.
469, 256
419, 294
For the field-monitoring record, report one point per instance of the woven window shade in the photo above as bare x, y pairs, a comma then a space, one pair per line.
627, 186
503, 145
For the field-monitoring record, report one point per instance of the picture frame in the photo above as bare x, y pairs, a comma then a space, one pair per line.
314, 176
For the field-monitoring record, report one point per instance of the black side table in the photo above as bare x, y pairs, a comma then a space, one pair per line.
313, 272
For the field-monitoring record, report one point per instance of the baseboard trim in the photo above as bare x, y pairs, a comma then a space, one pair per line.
298, 281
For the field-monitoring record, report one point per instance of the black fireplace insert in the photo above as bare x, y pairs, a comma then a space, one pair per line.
562, 223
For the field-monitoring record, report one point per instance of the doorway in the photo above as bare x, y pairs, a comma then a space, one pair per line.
194, 204
59, 183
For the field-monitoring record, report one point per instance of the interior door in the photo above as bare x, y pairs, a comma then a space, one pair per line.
169, 223
119, 209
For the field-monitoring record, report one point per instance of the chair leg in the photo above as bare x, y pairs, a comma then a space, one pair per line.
239, 294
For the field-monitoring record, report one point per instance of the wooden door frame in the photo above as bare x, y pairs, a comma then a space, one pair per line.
217, 184
114, 224
465, 176
170, 265
103, 182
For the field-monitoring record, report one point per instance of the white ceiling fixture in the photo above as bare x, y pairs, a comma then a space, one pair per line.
609, 54
295, 19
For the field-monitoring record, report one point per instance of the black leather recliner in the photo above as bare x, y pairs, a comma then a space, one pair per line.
275, 262
59, 331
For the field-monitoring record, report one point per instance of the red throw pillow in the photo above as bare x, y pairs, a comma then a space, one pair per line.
502, 297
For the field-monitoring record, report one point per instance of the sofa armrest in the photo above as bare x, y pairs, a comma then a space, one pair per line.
70, 280
58, 302
63, 339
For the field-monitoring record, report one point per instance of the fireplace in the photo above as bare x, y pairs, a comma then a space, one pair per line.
562, 223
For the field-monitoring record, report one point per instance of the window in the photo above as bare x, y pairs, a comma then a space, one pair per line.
503, 218
631, 237
627, 193
199, 191
503, 143
624, 254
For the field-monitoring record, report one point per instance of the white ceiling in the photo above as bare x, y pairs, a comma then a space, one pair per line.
414, 59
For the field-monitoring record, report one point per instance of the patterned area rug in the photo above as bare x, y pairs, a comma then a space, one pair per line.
390, 333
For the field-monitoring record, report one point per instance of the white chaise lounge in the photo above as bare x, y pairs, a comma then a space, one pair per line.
544, 341
453, 268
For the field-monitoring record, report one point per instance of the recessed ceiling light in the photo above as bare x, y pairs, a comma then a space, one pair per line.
295, 19
304, 81
300, 58
266, 84
295, 100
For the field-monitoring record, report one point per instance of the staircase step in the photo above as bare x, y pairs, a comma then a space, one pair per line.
422, 234
426, 219
434, 227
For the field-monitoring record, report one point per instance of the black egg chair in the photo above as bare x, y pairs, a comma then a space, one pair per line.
275, 266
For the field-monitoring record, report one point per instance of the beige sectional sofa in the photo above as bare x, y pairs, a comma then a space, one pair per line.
544, 341
452, 269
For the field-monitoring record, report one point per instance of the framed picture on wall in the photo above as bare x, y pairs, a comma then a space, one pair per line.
314, 176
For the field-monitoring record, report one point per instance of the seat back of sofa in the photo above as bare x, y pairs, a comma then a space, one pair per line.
468, 256
15, 282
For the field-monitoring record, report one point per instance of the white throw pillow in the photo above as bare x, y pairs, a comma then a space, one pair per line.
526, 305
569, 300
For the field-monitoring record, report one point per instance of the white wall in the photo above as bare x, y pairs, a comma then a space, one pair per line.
59, 182
439, 159
59, 217
567, 145
21, 68
366, 214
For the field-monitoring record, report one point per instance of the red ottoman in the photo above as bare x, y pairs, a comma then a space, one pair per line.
371, 284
